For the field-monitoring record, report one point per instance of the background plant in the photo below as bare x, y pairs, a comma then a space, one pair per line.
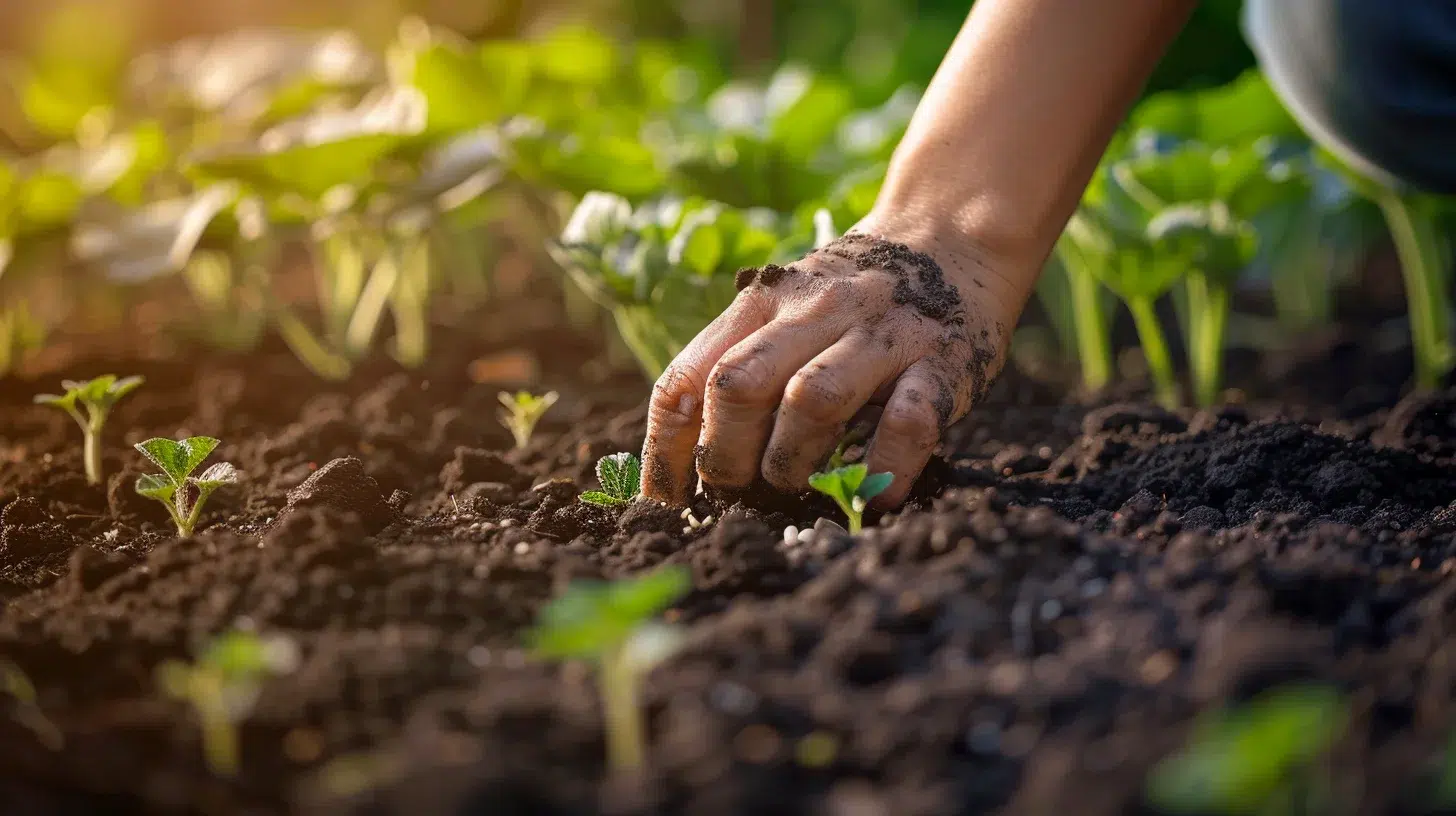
521, 411
222, 686
95, 397
608, 624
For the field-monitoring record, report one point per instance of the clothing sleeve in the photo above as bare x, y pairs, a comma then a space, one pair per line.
1374, 81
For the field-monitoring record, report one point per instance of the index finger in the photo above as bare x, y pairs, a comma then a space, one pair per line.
675, 414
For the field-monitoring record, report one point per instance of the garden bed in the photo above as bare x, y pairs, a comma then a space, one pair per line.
1074, 584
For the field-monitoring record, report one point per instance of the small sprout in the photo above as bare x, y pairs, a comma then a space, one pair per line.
1255, 757
522, 411
97, 397
621, 478
14, 684
607, 623
222, 686
851, 487
174, 485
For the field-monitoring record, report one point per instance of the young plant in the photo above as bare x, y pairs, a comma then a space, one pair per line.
175, 485
608, 624
16, 685
222, 687
522, 411
851, 487
96, 397
1198, 203
1261, 757
621, 478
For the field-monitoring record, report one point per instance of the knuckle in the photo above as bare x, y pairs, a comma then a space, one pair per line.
674, 396
818, 396
741, 381
916, 424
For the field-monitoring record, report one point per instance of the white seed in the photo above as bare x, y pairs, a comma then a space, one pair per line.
687, 531
806, 535
707, 521
791, 535
687, 511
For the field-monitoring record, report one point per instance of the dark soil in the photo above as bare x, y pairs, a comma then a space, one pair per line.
1075, 584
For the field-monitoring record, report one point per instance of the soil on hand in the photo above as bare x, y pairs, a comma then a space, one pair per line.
1075, 584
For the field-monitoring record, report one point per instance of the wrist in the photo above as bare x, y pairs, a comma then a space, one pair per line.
988, 276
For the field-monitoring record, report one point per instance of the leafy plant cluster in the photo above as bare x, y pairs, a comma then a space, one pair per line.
1204, 192
395, 176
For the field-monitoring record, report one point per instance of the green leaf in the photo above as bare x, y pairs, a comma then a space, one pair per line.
460, 95
155, 486
698, 245
178, 459
124, 386
635, 600
94, 391
601, 499
1241, 111
577, 55
874, 485
840, 484
222, 473
593, 617
65, 401
1238, 759
236, 654
620, 475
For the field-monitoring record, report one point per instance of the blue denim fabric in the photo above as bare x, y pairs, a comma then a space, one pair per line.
1374, 81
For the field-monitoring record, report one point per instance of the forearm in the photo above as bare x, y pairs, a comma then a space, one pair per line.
1011, 128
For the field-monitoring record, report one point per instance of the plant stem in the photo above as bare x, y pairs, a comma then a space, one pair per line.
1089, 320
409, 304
1208, 307
182, 514
1155, 351
219, 736
1423, 254
620, 711
92, 450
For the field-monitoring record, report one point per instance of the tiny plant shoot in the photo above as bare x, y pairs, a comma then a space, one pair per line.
522, 411
851, 487
608, 624
621, 478
96, 397
1260, 757
15, 684
222, 686
173, 487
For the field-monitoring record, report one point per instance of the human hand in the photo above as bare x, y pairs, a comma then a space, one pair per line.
771, 385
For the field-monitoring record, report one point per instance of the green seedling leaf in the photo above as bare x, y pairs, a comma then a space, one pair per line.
222, 473
154, 486
178, 459
1238, 760
601, 499
620, 475
851, 487
594, 617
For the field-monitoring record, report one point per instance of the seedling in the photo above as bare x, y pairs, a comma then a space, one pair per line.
222, 687
96, 397
174, 486
607, 623
14, 684
621, 478
522, 411
851, 487
1261, 757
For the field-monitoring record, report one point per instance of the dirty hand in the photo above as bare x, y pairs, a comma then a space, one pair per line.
772, 384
